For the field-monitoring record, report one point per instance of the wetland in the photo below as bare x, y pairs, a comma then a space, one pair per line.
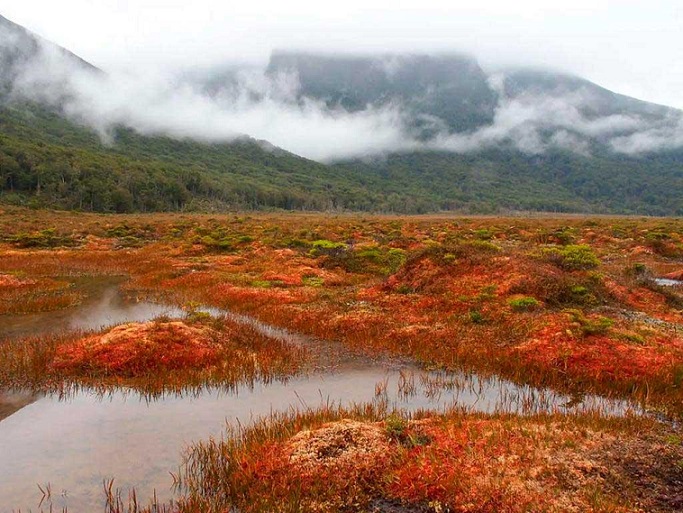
143, 356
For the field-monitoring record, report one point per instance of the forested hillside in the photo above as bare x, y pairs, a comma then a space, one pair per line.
528, 140
47, 161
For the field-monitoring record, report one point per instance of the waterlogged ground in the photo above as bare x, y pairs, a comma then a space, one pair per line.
76, 440
103, 306
377, 313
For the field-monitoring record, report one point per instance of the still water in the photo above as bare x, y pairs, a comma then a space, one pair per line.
75, 442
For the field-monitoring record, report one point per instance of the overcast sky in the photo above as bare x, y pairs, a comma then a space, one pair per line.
632, 47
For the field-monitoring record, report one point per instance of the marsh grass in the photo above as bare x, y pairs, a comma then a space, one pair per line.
416, 286
239, 354
405, 287
453, 461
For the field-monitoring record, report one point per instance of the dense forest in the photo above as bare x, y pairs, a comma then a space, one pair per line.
46, 160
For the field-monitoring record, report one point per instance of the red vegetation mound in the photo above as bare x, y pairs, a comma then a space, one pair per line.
7, 280
676, 275
136, 349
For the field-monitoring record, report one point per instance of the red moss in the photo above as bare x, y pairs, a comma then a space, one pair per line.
9, 281
137, 349
598, 358
675, 275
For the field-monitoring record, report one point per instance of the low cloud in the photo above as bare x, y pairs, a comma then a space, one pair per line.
258, 106
535, 123
269, 108
658, 138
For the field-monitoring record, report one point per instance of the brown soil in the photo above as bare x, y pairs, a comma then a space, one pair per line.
649, 471
346, 443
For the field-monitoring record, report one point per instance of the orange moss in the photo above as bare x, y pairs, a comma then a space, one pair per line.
447, 305
452, 463
675, 275
137, 349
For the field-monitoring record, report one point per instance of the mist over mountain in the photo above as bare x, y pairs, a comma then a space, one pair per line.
434, 93
390, 132
27, 63
448, 102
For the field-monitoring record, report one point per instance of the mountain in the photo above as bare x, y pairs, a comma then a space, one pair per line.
475, 141
21, 49
49, 159
433, 91
448, 102
596, 101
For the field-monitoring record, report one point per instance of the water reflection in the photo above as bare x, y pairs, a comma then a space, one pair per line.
77, 439
104, 306
667, 282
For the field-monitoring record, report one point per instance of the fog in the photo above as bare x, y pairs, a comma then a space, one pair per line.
628, 46
268, 107
536, 123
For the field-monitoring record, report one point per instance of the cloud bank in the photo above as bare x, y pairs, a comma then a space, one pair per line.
269, 108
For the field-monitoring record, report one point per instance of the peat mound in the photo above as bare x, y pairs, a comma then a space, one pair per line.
137, 349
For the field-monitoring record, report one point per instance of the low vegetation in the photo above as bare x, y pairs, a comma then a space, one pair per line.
366, 460
570, 303
151, 357
573, 304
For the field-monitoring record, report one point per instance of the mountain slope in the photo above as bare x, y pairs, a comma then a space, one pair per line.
47, 160
598, 101
498, 180
446, 89
20, 49
527, 140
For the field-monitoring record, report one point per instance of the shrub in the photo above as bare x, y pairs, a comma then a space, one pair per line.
678, 375
404, 288
476, 317
663, 244
523, 304
573, 257
556, 288
395, 427
214, 244
326, 247
47, 238
590, 326
639, 271
395, 259
483, 234
371, 260
312, 281
398, 431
